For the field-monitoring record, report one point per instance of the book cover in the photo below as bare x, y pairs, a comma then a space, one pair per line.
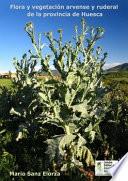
63, 89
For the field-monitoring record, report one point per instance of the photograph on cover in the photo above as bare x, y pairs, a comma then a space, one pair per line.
63, 90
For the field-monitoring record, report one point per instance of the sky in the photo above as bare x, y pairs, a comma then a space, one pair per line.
14, 41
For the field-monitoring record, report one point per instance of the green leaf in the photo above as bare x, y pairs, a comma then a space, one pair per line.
14, 112
71, 78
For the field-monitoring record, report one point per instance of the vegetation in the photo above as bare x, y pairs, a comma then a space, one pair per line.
62, 124
6, 83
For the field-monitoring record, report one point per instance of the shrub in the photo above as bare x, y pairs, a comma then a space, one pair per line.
73, 104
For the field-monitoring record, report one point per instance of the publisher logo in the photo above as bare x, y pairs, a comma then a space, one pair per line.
102, 166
